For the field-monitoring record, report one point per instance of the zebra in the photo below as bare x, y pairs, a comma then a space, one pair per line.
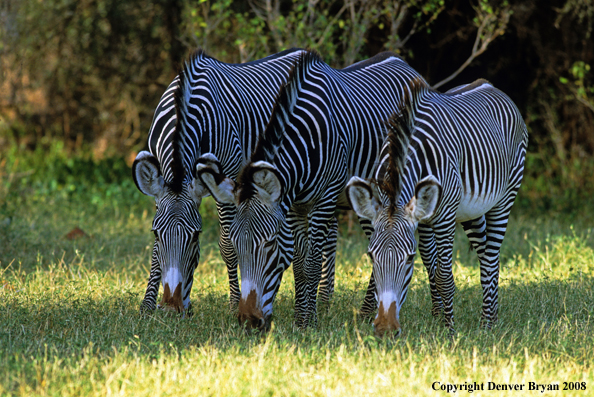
210, 107
326, 126
456, 157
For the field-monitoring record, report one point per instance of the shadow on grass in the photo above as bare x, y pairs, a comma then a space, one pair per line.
545, 315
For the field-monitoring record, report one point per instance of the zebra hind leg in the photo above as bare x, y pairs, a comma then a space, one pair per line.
428, 251
476, 231
496, 226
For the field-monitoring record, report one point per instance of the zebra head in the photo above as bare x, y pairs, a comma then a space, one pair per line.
254, 234
177, 226
392, 245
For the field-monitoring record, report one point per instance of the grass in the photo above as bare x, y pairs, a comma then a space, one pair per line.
69, 322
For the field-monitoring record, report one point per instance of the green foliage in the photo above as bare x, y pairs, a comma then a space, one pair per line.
90, 71
582, 10
48, 172
339, 30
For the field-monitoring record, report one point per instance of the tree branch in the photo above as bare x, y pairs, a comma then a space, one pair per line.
491, 26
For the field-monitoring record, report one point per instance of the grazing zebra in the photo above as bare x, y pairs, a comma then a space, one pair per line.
326, 126
211, 107
453, 157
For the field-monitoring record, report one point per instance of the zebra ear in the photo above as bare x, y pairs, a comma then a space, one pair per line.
207, 160
266, 181
220, 187
147, 174
424, 203
363, 198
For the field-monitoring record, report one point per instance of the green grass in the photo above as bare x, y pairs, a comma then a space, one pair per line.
69, 322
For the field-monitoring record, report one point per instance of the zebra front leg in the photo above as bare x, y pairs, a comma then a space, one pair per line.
226, 216
149, 303
369, 306
299, 226
444, 277
319, 221
274, 279
326, 289
428, 251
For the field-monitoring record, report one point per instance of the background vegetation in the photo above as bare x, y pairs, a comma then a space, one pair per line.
79, 83
90, 73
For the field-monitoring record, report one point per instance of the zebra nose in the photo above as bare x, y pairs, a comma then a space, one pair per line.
387, 322
380, 332
172, 301
252, 323
250, 314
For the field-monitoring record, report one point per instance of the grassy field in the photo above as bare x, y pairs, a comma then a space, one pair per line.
69, 322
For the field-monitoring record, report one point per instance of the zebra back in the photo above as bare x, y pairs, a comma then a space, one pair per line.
215, 107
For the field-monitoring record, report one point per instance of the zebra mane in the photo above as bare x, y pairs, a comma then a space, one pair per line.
182, 96
382, 56
400, 126
468, 87
272, 136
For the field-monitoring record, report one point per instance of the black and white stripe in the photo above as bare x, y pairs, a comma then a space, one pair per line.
211, 107
463, 163
326, 127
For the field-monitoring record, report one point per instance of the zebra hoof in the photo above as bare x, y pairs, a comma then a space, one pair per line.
233, 305
189, 312
487, 324
146, 310
366, 317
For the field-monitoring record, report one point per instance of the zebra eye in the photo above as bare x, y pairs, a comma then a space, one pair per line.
410, 258
195, 236
156, 235
370, 256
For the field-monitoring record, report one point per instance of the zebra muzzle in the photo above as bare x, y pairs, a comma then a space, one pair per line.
172, 301
250, 315
386, 322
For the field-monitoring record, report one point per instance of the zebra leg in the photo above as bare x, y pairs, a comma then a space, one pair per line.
369, 306
149, 303
496, 226
298, 224
226, 216
320, 221
326, 289
273, 281
444, 278
428, 251
476, 230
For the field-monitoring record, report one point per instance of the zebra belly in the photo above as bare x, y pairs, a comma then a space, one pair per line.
473, 206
